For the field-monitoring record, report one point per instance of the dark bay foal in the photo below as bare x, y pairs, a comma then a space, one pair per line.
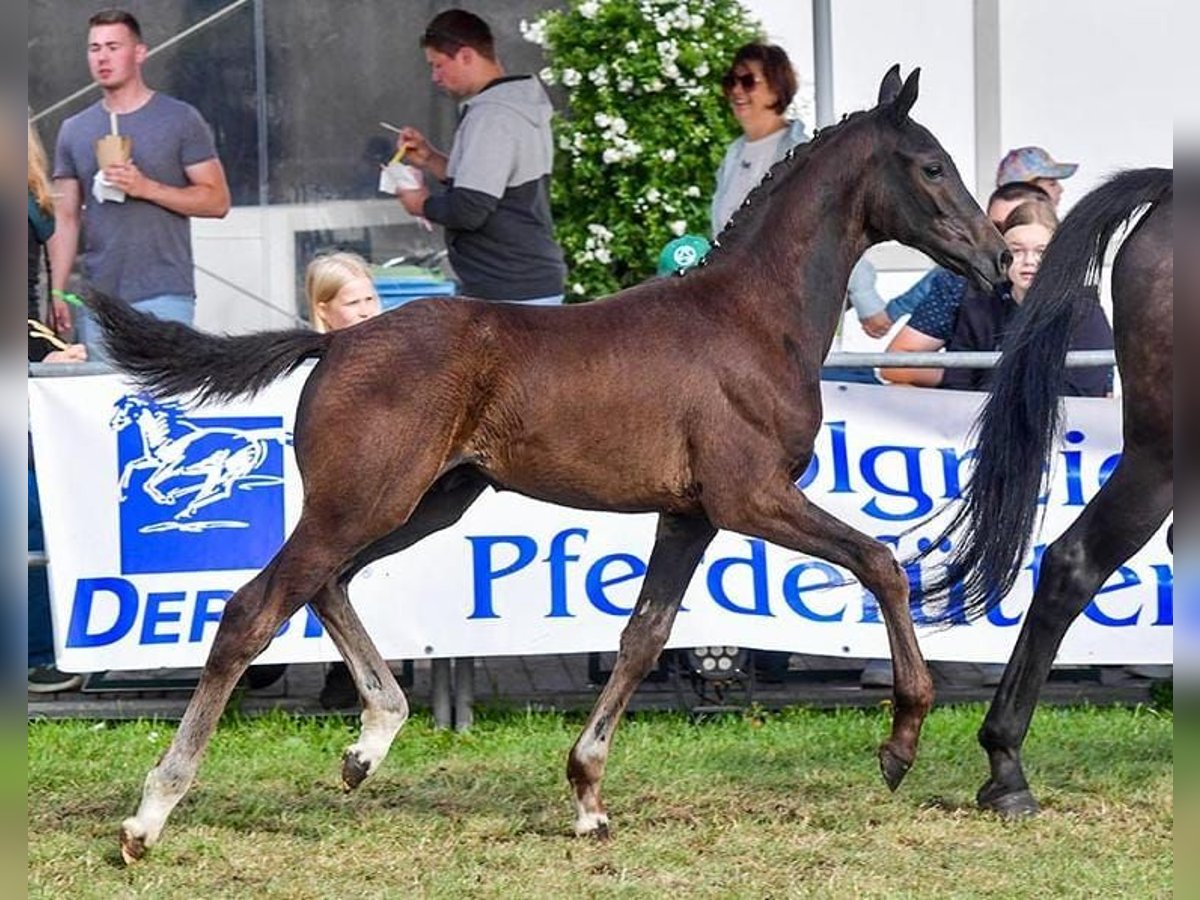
695, 397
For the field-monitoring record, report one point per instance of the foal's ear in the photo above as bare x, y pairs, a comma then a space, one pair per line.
907, 96
890, 86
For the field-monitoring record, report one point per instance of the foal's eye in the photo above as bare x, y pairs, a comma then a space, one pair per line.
932, 170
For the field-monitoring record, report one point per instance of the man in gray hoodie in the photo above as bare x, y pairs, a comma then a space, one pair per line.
496, 203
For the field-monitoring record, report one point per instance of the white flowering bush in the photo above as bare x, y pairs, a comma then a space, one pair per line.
645, 127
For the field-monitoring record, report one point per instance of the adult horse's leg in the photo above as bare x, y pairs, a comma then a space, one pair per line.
777, 512
249, 621
385, 708
1125, 514
678, 546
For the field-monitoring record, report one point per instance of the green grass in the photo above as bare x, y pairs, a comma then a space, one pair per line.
776, 805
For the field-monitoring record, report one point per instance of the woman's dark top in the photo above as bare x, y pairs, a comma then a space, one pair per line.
983, 321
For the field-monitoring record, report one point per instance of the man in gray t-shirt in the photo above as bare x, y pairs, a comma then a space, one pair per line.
134, 215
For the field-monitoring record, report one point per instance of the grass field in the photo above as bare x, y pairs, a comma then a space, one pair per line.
770, 805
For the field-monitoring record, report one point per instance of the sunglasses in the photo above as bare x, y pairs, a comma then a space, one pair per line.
746, 80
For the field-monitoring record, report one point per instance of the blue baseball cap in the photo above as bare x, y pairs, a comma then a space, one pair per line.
682, 253
1028, 163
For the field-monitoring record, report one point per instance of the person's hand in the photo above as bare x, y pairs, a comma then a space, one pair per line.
877, 325
414, 146
414, 201
75, 353
128, 178
60, 316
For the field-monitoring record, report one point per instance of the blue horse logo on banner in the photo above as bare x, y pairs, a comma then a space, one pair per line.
197, 493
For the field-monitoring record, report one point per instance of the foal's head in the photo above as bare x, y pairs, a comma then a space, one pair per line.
917, 196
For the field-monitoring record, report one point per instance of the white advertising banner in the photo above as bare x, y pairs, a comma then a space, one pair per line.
155, 513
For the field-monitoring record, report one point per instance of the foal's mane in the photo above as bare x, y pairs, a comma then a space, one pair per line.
748, 218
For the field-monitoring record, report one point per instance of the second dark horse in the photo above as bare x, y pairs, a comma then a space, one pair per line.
694, 397
1016, 434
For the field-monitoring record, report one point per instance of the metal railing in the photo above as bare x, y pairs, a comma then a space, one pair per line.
958, 359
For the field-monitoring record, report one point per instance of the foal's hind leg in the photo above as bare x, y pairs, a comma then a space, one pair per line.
250, 620
678, 546
1119, 520
779, 513
384, 706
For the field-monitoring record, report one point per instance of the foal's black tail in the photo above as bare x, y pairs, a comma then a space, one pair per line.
171, 359
1019, 424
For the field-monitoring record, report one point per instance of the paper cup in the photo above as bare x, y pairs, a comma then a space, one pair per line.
113, 150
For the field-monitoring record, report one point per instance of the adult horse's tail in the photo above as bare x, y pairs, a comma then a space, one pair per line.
1019, 424
171, 359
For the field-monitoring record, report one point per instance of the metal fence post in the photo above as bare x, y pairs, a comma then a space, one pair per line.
464, 692
440, 682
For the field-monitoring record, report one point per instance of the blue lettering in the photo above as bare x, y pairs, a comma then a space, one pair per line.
204, 615
1164, 579
952, 462
1107, 468
810, 473
841, 459
996, 616
596, 582
793, 591
161, 609
1074, 459
81, 611
912, 491
758, 568
155, 614
485, 573
558, 559
1129, 578
312, 625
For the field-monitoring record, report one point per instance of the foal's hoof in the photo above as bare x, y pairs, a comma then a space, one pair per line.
593, 825
355, 770
1005, 803
893, 766
133, 841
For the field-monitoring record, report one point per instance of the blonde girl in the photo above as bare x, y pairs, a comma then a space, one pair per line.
340, 291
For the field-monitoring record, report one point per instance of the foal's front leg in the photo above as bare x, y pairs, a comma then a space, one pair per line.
777, 512
678, 546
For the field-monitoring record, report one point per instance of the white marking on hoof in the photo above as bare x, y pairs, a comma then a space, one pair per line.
591, 823
379, 730
134, 840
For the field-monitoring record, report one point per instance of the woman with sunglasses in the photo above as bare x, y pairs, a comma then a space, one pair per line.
759, 86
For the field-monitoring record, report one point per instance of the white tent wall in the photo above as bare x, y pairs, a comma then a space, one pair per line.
1089, 80
1086, 79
